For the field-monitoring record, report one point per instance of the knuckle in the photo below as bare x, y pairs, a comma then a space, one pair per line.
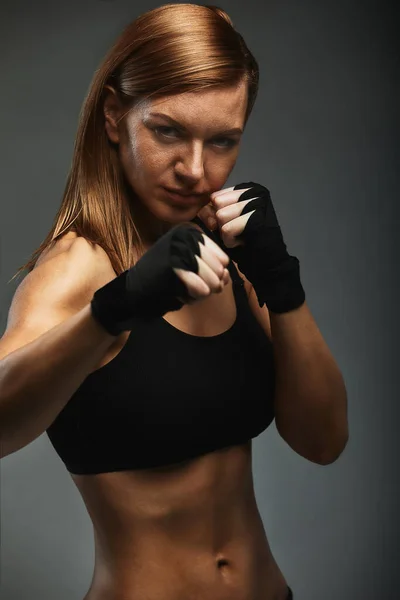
225, 228
220, 271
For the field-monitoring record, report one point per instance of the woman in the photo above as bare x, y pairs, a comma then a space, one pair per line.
153, 345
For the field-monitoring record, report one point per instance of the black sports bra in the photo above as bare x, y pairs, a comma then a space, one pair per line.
169, 396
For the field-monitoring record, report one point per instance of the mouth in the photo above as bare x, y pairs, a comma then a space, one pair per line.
187, 199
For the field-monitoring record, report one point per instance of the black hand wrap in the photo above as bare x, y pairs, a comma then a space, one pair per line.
263, 259
150, 288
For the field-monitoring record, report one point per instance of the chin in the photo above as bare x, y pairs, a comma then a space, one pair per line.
174, 215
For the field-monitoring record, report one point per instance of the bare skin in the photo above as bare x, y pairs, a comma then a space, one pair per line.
185, 531
189, 531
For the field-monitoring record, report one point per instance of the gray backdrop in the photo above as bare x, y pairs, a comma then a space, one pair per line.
324, 138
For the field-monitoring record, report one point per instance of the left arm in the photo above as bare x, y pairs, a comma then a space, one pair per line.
310, 397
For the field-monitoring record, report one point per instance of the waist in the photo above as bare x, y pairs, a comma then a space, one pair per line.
189, 531
193, 565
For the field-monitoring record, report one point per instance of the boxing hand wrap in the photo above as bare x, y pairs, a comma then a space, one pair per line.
263, 259
150, 288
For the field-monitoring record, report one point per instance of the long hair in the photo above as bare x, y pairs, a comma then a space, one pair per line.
172, 49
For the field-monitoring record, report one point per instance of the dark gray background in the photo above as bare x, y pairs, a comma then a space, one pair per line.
324, 138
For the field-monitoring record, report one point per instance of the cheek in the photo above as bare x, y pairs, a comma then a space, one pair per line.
135, 161
218, 172
144, 165
144, 156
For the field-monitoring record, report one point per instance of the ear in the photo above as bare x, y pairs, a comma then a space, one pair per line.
112, 111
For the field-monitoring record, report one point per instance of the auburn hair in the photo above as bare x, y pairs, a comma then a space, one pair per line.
172, 49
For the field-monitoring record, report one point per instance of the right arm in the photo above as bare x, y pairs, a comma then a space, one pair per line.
52, 341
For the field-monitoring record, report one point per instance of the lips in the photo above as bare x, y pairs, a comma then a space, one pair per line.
184, 194
183, 198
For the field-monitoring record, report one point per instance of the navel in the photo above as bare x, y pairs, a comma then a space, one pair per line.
223, 562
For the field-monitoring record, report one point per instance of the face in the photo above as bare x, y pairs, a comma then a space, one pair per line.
187, 142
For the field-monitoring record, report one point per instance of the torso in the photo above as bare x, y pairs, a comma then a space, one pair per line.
185, 532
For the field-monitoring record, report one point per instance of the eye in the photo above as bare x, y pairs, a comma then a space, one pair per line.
163, 131
229, 142
173, 133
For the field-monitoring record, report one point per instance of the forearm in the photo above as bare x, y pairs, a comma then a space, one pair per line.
310, 396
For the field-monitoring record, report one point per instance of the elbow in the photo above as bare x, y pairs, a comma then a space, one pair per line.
330, 453
322, 445
322, 453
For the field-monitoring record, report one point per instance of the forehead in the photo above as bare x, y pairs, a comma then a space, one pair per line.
216, 108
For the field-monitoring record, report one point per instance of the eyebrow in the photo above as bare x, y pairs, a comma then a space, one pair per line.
177, 124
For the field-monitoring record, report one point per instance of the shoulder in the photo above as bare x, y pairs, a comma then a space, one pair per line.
85, 262
66, 274
261, 314
77, 251
62, 283
71, 245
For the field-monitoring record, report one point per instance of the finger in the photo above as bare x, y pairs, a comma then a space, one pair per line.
212, 259
212, 223
221, 192
207, 211
209, 243
227, 198
230, 212
226, 276
209, 276
204, 282
207, 215
195, 285
231, 229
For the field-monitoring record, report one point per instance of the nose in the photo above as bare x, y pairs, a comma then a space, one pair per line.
190, 167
